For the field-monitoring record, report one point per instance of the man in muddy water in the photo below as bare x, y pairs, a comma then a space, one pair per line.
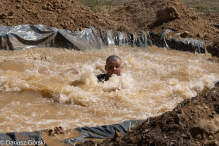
113, 66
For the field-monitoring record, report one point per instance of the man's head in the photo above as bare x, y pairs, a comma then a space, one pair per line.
113, 65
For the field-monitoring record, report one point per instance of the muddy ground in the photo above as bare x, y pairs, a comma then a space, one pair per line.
192, 122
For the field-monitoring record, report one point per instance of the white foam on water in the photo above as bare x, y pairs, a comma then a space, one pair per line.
87, 76
125, 81
63, 89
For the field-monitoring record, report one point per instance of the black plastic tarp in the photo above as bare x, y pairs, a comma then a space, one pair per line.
35, 138
216, 25
103, 132
40, 36
184, 44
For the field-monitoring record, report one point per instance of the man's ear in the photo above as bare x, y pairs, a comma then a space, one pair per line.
105, 68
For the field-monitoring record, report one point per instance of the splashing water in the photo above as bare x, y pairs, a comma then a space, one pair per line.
48, 87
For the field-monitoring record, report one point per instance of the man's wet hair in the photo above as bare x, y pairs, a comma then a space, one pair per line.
113, 58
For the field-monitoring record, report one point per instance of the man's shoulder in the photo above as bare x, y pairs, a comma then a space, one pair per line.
101, 77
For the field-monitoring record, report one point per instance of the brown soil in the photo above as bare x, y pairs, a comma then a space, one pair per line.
61, 14
152, 15
159, 15
211, 18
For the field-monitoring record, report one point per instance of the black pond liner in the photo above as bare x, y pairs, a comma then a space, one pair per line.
216, 25
183, 44
35, 138
41, 36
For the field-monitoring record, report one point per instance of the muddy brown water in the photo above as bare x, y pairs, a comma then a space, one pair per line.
48, 87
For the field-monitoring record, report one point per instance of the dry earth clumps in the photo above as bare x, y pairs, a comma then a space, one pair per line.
62, 14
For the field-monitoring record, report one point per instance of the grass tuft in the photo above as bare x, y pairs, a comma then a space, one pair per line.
203, 6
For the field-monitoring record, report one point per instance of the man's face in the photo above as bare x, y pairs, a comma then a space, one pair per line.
113, 67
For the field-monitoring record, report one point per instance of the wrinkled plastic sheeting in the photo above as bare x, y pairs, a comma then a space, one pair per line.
187, 44
41, 36
216, 25
26, 36
103, 132
35, 138
22, 138
140, 38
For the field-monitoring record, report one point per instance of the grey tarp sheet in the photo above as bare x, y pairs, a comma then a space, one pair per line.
103, 131
187, 44
216, 25
35, 138
41, 36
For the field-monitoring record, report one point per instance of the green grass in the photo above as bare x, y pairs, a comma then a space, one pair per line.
203, 7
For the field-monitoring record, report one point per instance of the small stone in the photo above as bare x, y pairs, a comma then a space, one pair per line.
195, 101
44, 7
3, 16
164, 136
59, 11
210, 137
10, 17
172, 143
146, 130
197, 143
51, 132
198, 136
185, 34
11, 13
199, 35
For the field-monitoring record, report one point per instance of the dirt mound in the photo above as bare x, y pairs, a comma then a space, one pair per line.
61, 14
193, 122
213, 46
159, 15
211, 18
152, 15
